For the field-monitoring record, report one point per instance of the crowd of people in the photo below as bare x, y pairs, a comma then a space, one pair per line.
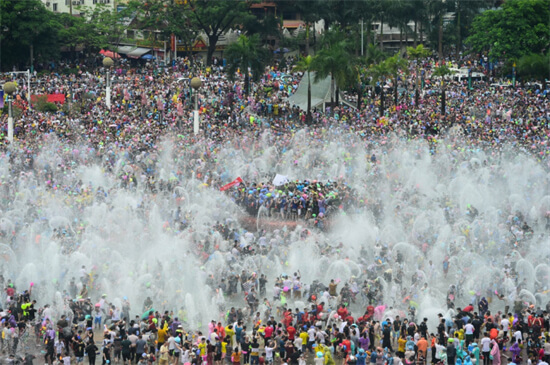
325, 330
362, 322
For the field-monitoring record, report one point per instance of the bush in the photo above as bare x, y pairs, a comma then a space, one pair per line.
42, 105
50, 107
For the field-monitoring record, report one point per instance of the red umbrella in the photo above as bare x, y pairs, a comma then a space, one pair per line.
108, 53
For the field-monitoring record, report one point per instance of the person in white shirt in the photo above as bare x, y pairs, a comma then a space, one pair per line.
486, 348
518, 336
505, 323
469, 330
269, 347
311, 337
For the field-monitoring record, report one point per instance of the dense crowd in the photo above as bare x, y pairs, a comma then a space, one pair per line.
369, 319
323, 331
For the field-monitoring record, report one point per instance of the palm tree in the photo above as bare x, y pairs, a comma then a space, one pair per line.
395, 64
335, 60
417, 54
378, 73
243, 54
306, 65
442, 71
374, 55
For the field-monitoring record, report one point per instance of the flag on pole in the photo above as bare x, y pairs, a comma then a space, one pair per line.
235, 182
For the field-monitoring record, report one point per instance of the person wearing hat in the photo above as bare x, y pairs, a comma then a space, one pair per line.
451, 352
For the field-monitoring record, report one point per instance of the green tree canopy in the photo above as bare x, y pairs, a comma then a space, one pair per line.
246, 53
216, 17
518, 28
26, 23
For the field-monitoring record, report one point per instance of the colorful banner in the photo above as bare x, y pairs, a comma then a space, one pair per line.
235, 182
52, 98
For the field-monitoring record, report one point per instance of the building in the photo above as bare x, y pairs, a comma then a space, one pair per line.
72, 6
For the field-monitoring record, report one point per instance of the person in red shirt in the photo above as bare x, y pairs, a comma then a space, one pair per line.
305, 318
291, 333
221, 330
342, 312
468, 308
346, 346
268, 331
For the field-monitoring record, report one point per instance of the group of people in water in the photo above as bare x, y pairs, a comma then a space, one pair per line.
371, 318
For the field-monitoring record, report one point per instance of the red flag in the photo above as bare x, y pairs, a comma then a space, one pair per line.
231, 184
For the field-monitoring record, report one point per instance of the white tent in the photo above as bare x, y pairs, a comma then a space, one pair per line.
320, 93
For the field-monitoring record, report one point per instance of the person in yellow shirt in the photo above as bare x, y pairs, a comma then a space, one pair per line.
230, 334
202, 348
401, 342
161, 335
304, 336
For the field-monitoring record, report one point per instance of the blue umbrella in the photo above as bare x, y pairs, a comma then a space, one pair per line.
147, 57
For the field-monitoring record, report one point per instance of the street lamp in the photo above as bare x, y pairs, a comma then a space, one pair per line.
196, 83
108, 63
9, 89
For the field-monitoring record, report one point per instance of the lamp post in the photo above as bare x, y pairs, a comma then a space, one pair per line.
196, 83
108, 63
9, 89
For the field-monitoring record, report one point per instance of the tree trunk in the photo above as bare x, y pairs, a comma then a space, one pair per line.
421, 33
443, 103
395, 92
382, 33
332, 91
246, 82
400, 38
308, 116
337, 96
458, 39
307, 38
359, 95
415, 34
212, 41
440, 46
382, 102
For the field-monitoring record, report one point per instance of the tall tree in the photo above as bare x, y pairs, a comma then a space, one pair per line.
215, 18
518, 28
378, 74
247, 55
442, 72
27, 25
395, 64
305, 65
337, 61
535, 66
417, 54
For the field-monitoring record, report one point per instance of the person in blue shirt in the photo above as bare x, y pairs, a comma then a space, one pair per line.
361, 357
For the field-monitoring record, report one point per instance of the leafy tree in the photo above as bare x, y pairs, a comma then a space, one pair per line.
108, 24
26, 24
335, 60
378, 73
246, 53
535, 66
394, 65
518, 28
305, 64
77, 31
216, 17
417, 53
